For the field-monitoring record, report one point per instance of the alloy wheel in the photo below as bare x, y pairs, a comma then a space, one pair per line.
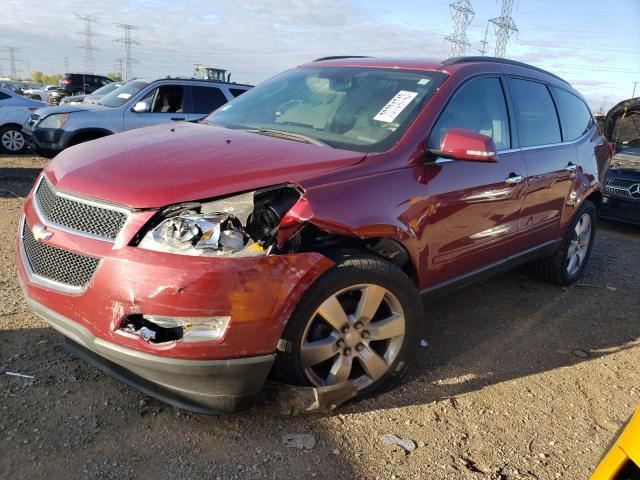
579, 244
12, 140
355, 334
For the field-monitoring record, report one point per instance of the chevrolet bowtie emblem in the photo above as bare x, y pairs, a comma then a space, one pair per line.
41, 233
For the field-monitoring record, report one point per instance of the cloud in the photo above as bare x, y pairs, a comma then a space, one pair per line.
255, 40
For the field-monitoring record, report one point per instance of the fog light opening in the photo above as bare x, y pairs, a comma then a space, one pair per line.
162, 329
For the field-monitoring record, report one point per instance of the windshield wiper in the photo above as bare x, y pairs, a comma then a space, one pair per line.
298, 137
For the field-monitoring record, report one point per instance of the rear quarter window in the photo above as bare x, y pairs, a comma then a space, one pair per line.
236, 92
535, 113
575, 116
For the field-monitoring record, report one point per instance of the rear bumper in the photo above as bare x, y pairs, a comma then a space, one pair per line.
203, 386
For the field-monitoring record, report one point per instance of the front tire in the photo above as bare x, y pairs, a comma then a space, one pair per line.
566, 265
11, 140
358, 322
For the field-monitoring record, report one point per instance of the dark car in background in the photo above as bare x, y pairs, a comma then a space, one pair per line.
91, 97
77, 84
622, 184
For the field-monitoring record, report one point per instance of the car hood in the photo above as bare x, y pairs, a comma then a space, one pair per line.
177, 162
46, 111
621, 124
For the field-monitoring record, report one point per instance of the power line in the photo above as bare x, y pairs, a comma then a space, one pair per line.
504, 28
462, 14
13, 61
128, 60
89, 64
66, 65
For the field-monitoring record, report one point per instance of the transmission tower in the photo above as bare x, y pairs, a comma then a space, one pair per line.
13, 61
504, 27
89, 64
462, 14
484, 42
128, 60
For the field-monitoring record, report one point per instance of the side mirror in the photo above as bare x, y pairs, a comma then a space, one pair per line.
141, 107
461, 144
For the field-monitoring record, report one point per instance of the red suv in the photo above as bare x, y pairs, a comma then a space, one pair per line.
293, 232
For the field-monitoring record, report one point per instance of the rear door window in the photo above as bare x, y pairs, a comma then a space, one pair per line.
478, 106
575, 116
206, 99
535, 113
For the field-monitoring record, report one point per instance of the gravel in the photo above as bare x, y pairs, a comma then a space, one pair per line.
519, 380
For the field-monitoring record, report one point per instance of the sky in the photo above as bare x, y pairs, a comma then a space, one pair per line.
593, 44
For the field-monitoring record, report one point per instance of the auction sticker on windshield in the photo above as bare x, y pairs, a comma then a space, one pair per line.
396, 105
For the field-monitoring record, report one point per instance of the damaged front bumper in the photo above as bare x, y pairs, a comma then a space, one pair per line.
203, 386
256, 295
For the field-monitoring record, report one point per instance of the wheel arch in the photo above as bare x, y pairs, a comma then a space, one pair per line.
384, 246
11, 124
596, 198
86, 134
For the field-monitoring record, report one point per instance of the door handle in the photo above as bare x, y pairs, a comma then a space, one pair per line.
513, 180
176, 119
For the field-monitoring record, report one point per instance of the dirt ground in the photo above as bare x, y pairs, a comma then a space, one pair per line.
520, 380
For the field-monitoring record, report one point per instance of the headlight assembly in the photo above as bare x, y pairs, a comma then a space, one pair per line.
56, 120
240, 226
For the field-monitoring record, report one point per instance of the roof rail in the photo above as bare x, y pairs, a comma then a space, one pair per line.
206, 80
506, 61
340, 57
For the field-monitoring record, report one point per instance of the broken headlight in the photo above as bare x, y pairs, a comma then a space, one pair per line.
241, 225
163, 329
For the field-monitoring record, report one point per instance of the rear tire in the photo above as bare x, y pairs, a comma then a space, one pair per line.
11, 140
360, 321
566, 265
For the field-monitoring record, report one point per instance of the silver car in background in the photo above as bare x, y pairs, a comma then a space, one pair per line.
136, 104
14, 112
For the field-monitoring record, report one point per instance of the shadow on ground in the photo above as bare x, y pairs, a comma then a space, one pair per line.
71, 421
17, 182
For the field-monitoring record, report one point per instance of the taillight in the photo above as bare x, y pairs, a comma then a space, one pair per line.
612, 148
66, 81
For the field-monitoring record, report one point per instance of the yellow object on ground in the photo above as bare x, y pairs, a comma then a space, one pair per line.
622, 461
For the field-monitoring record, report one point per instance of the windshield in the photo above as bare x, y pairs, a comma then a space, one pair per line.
121, 95
354, 108
107, 89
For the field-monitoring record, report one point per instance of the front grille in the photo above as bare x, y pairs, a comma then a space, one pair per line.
76, 215
619, 182
622, 193
55, 264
